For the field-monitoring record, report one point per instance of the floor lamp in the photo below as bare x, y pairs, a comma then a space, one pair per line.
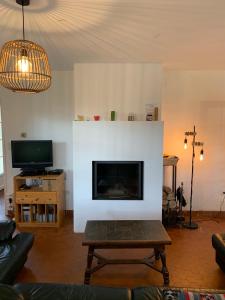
190, 224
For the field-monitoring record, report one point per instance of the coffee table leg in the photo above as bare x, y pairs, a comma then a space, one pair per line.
164, 267
87, 275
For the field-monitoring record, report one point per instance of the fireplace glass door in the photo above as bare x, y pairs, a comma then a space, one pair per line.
117, 180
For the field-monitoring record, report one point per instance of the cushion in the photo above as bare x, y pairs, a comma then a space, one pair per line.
146, 293
156, 293
201, 296
6, 230
171, 294
7, 292
176, 294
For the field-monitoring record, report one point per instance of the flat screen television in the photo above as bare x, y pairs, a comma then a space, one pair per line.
32, 155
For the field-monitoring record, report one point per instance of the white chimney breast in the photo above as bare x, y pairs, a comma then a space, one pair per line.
117, 141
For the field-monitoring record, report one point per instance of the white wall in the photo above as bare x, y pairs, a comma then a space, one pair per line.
121, 141
197, 97
47, 115
189, 97
102, 87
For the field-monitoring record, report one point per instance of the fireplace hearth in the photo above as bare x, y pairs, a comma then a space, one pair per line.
117, 180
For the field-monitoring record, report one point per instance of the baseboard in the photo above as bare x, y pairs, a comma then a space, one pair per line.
69, 212
206, 214
195, 214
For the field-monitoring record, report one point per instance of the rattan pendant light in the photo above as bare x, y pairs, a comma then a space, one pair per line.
24, 65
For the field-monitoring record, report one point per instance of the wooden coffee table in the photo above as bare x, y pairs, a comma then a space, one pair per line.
126, 234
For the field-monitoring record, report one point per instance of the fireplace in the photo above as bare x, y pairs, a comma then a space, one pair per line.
117, 180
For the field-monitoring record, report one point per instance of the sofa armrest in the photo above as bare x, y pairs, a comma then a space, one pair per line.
23, 240
6, 230
14, 255
218, 242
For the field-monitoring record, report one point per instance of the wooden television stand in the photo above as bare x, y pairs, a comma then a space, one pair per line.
41, 204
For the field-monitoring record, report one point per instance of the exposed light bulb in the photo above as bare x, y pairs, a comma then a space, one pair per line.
24, 65
201, 155
185, 143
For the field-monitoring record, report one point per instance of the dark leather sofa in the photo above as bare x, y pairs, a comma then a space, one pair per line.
51, 291
218, 242
13, 250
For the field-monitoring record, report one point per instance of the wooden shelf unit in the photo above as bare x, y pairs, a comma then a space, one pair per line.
42, 205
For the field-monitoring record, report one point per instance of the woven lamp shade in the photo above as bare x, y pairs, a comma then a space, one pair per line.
24, 67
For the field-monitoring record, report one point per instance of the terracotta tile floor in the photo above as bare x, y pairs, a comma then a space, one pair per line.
58, 256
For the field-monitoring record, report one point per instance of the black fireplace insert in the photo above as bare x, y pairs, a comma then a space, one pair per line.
117, 180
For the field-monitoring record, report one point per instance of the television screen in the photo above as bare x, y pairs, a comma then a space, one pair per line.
32, 154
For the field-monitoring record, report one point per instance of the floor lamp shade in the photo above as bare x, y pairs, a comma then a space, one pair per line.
24, 67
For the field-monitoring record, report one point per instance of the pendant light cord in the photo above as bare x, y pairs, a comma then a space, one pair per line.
23, 19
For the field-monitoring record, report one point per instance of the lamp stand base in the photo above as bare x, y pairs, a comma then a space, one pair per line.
23, 2
190, 225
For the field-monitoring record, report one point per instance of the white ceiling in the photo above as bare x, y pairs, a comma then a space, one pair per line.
187, 34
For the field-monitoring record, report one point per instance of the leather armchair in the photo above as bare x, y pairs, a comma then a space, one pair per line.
218, 242
13, 250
